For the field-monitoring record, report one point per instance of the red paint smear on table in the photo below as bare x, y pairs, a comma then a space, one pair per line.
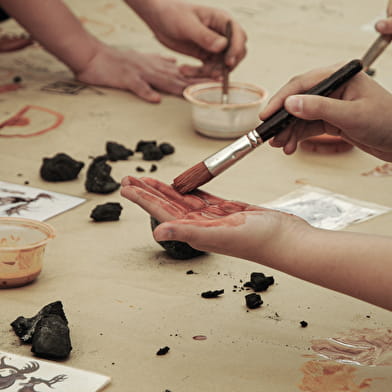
19, 120
328, 376
9, 87
200, 337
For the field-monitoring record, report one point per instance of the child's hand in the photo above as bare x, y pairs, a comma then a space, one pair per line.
209, 223
359, 112
141, 73
194, 30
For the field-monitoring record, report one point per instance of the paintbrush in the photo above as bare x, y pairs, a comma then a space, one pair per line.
204, 171
226, 70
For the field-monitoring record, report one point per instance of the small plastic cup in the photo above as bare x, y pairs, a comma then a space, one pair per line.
22, 247
215, 119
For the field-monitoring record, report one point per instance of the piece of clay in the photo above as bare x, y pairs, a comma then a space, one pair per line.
176, 249
60, 168
212, 293
259, 282
47, 330
98, 177
253, 300
163, 350
166, 148
152, 153
117, 152
142, 144
106, 212
51, 338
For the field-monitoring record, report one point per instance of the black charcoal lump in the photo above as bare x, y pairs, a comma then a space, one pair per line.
253, 300
47, 331
117, 152
60, 168
98, 178
106, 212
259, 282
176, 249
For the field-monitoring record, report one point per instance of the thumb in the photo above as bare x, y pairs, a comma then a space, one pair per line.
206, 38
314, 107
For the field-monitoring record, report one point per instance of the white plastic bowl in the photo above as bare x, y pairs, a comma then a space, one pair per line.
22, 247
229, 120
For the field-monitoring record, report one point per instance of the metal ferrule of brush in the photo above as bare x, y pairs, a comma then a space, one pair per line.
230, 154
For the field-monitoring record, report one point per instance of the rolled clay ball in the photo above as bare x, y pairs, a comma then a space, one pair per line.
176, 249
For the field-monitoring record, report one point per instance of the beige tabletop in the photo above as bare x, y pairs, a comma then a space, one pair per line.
123, 296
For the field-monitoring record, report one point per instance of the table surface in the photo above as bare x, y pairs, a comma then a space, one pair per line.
123, 296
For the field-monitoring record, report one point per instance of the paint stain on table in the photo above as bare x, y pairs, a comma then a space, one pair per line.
327, 376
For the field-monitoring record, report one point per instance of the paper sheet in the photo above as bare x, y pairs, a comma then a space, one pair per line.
33, 203
326, 210
19, 373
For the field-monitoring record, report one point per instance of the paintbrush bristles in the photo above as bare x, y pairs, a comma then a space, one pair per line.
192, 178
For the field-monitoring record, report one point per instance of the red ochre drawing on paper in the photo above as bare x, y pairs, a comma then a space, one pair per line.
20, 119
328, 376
380, 171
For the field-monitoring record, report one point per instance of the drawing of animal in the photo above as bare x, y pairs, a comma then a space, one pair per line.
29, 386
9, 374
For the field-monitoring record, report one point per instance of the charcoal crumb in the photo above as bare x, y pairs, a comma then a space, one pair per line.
367, 316
304, 324
190, 272
61, 167
117, 152
163, 350
140, 169
17, 79
106, 212
212, 293
19, 174
253, 300
26, 182
371, 71
152, 153
166, 148
259, 282
142, 144
153, 168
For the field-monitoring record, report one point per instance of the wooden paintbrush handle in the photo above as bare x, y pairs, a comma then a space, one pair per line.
281, 119
228, 34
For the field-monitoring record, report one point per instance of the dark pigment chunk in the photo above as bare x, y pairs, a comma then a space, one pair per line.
47, 331
98, 177
253, 300
163, 350
17, 79
304, 324
140, 169
60, 168
176, 249
153, 168
142, 144
190, 272
152, 153
166, 148
106, 212
212, 294
117, 152
259, 282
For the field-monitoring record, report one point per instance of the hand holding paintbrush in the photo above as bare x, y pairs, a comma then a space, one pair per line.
204, 171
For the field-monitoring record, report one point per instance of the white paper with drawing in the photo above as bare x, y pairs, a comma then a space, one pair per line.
22, 374
33, 203
325, 209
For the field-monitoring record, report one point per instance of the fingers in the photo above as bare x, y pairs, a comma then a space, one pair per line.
237, 50
156, 206
384, 26
143, 90
342, 114
297, 85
